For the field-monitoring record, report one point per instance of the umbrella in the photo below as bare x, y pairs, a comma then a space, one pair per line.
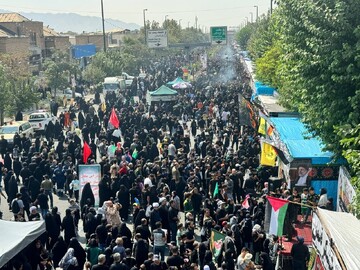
181, 85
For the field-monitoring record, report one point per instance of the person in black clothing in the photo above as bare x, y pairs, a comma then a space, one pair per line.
143, 230
42, 200
101, 265
102, 232
117, 264
129, 260
141, 249
157, 264
59, 249
79, 253
173, 219
175, 259
68, 225
300, 254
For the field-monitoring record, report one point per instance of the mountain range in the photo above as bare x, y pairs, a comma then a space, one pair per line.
64, 22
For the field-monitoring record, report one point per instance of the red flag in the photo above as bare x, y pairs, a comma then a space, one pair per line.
245, 203
114, 120
86, 152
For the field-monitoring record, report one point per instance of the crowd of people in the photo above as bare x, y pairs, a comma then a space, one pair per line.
169, 176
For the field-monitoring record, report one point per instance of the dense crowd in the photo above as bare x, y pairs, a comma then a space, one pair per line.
170, 176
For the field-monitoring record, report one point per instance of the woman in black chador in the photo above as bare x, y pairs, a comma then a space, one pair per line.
86, 195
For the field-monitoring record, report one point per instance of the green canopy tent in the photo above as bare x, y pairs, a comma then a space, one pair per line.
163, 93
176, 81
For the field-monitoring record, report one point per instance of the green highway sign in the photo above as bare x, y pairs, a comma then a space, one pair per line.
218, 35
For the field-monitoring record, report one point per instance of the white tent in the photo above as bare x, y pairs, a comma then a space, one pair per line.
344, 231
15, 236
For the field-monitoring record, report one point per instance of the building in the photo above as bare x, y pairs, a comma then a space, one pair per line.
91, 38
13, 45
19, 26
22, 37
115, 36
55, 41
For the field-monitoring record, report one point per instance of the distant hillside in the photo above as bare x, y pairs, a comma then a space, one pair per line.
63, 22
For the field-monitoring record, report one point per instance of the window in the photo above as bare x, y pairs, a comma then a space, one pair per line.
33, 38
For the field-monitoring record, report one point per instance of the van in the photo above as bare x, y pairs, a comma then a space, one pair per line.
113, 84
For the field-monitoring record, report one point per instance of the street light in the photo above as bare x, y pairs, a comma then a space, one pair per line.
257, 12
144, 10
251, 17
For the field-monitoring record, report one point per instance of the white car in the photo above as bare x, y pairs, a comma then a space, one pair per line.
128, 79
39, 120
68, 93
20, 127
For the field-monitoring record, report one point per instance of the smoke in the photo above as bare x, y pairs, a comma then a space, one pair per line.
224, 70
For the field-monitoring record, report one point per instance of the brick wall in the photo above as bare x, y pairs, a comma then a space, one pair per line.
18, 46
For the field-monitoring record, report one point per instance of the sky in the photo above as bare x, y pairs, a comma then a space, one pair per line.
209, 12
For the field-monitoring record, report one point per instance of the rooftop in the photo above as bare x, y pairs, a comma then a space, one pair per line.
49, 32
12, 17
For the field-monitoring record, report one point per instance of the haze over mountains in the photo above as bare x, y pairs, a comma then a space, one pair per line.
64, 22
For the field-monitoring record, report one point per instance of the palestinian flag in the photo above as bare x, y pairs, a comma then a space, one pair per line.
278, 212
216, 241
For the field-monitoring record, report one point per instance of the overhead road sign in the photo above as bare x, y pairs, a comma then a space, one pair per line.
218, 35
157, 38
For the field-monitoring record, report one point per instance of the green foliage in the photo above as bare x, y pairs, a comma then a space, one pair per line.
134, 53
310, 51
242, 37
16, 87
267, 66
58, 70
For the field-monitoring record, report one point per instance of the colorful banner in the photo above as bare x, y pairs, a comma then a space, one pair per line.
90, 174
346, 192
216, 241
268, 155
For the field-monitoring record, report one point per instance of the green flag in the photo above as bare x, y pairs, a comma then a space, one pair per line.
134, 154
216, 241
216, 190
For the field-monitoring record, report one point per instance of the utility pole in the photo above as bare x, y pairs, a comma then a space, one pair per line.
196, 20
103, 25
144, 24
251, 17
271, 6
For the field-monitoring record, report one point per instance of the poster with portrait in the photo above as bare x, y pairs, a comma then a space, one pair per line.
299, 174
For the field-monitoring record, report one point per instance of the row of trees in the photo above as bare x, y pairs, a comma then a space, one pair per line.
309, 50
134, 53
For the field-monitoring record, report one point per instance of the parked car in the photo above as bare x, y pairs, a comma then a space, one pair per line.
40, 119
20, 127
68, 93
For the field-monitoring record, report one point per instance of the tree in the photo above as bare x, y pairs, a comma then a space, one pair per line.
16, 86
242, 37
58, 71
